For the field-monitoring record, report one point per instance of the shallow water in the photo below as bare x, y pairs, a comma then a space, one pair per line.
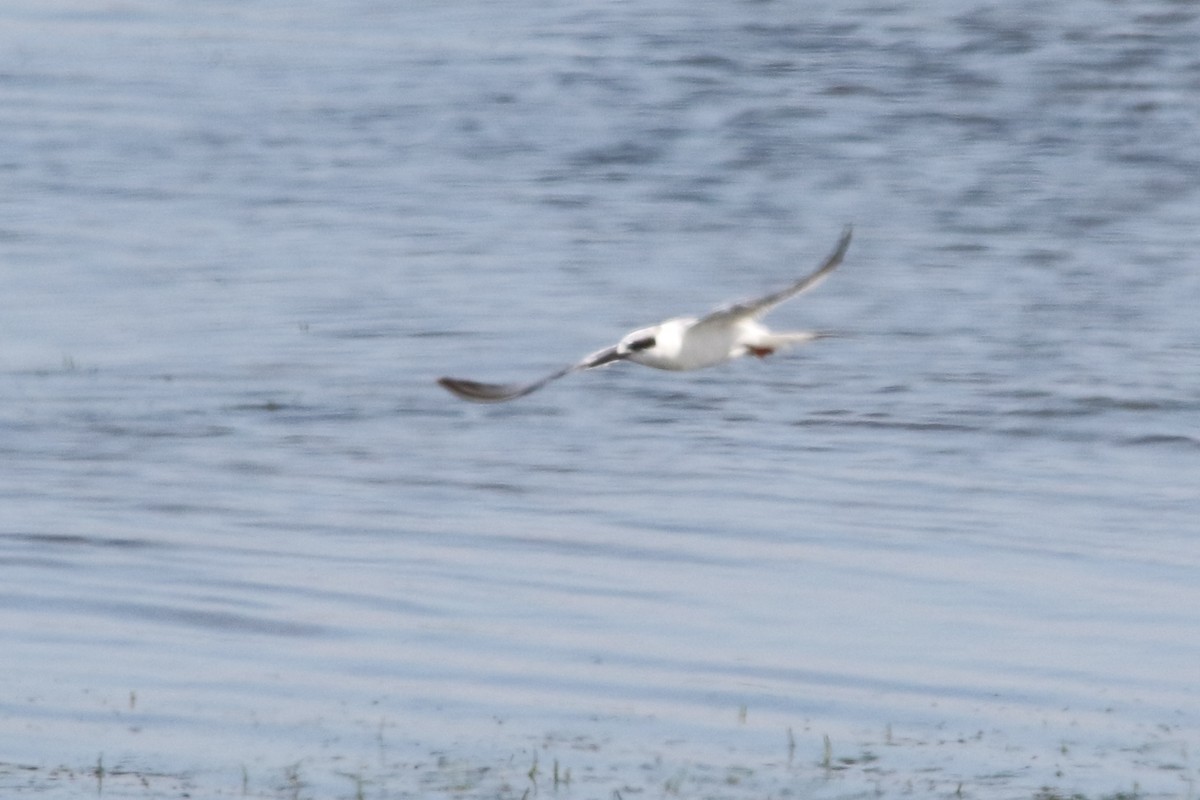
246, 539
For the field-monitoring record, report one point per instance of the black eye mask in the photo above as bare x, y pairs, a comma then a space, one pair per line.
641, 344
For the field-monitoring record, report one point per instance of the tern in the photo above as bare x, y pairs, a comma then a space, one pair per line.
683, 343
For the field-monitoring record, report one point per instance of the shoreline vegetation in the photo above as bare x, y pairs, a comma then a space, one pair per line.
578, 767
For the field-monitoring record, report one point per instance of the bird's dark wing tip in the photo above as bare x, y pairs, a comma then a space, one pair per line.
843, 243
480, 392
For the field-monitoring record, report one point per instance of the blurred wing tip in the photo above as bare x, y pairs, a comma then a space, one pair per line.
476, 391
843, 243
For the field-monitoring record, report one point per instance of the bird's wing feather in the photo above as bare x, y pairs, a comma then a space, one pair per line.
761, 305
501, 392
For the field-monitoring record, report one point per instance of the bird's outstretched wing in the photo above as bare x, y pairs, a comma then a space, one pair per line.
500, 392
761, 305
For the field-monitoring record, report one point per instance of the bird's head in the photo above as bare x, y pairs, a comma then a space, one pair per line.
657, 346
638, 341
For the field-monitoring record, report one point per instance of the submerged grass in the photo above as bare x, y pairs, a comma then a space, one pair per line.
558, 767
485, 781
464, 782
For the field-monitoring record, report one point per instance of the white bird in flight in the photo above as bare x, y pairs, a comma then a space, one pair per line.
680, 344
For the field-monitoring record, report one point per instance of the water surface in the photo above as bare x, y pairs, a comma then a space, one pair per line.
249, 546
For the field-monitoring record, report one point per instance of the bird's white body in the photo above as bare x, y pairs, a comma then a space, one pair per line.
682, 343
685, 344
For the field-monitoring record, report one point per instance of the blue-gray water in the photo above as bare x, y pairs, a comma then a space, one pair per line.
247, 543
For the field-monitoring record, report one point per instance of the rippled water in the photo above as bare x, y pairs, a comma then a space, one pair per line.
249, 547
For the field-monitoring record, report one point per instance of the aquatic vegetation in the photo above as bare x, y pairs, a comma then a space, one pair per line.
583, 767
